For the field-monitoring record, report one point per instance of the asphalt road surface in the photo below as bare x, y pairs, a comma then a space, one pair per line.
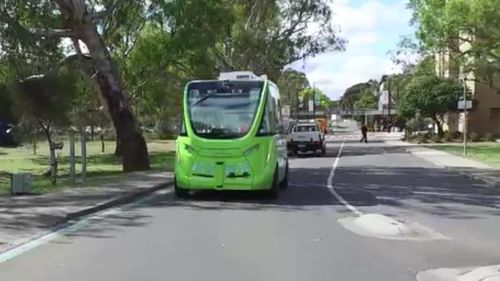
232, 237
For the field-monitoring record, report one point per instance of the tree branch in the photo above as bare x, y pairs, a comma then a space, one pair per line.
67, 60
58, 33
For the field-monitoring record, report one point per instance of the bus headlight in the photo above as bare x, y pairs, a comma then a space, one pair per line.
189, 149
251, 150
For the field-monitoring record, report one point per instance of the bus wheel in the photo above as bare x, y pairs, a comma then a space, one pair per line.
180, 192
273, 192
284, 183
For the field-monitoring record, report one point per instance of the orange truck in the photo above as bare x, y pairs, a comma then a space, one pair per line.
323, 124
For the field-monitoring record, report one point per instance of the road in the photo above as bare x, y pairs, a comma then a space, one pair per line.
298, 237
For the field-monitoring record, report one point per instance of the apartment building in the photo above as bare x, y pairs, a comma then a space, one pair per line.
485, 115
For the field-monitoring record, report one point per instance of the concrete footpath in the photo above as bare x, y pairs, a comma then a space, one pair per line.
467, 167
23, 218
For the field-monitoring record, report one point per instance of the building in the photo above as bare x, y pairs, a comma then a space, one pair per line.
485, 114
383, 95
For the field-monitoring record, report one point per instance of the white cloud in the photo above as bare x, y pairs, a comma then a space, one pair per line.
363, 38
352, 70
371, 29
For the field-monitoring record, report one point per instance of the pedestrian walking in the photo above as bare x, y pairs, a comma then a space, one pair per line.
364, 133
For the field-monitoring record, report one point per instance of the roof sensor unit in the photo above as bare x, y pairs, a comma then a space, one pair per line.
238, 75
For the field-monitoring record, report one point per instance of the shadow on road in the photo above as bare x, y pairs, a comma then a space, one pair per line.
432, 191
429, 190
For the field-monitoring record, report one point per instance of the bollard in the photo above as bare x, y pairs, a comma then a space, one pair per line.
103, 147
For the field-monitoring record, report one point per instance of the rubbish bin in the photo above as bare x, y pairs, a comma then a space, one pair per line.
20, 183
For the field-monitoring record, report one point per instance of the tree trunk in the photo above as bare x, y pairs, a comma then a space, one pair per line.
118, 147
439, 125
132, 143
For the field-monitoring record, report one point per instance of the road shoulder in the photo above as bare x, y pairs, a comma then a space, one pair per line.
24, 218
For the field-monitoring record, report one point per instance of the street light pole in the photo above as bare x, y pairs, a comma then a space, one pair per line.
465, 116
314, 101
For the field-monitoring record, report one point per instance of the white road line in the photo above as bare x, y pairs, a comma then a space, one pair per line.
332, 189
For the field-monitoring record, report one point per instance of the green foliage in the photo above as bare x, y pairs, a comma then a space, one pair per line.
367, 100
489, 137
5, 104
448, 136
158, 46
44, 101
430, 96
436, 139
290, 83
445, 25
474, 137
354, 93
309, 94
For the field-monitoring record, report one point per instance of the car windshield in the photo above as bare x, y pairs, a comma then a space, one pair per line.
222, 109
306, 128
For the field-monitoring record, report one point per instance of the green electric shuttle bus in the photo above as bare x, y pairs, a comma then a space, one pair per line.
232, 136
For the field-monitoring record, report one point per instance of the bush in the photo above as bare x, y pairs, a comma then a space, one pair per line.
489, 137
474, 137
457, 136
436, 139
448, 136
422, 138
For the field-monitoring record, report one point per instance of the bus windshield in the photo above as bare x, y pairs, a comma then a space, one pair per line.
222, 109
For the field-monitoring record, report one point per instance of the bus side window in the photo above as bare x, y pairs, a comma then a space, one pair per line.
268, 125
276, 103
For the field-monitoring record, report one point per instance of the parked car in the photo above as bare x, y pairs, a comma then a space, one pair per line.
6, 136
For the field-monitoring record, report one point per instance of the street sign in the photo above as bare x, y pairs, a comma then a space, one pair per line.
464, 105
311, 105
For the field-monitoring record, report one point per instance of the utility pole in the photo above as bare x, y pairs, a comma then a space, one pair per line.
389, 96
314, 101
465, 116
389, 102
72, 162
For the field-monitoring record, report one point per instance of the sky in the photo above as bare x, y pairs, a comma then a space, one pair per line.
372, 29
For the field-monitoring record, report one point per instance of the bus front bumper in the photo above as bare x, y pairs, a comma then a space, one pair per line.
260, 181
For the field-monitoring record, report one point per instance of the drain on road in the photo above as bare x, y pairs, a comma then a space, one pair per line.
384, 227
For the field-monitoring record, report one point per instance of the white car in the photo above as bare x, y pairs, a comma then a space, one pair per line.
306, 137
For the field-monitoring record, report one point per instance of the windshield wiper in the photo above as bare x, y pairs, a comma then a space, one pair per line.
204, 99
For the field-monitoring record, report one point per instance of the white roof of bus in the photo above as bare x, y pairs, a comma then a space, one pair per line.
240, 75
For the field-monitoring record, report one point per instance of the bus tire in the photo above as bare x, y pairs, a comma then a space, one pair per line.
180, 192
284, 183
273, 192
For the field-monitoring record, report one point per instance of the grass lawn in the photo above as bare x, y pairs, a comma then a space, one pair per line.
488, 153
22, 159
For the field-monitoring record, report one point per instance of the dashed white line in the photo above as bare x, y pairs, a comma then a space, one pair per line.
332, 189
